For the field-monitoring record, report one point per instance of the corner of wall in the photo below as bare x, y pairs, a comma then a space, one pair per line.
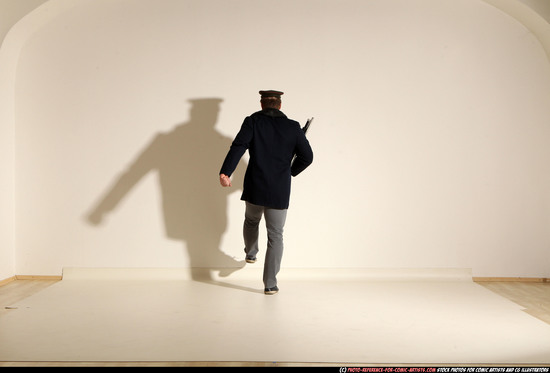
527, 16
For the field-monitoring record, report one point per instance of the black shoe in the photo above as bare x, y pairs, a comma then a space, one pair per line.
271, 291
250, 259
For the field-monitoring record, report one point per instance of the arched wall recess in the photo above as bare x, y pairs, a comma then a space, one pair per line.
443, 109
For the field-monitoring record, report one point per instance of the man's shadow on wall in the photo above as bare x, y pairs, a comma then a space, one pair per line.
187, 161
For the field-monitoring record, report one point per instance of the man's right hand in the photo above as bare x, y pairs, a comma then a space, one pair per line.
225, 181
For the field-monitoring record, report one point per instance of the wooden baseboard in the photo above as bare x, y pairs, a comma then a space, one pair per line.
511, 279
7, 280
31, 277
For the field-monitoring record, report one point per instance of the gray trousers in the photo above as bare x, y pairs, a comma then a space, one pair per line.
275, 222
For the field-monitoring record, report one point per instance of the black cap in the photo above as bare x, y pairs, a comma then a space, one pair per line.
275, 94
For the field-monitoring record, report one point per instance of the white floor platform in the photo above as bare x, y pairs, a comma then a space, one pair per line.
360, 317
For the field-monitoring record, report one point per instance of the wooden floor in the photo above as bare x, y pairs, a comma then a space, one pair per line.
18, 290
534, 297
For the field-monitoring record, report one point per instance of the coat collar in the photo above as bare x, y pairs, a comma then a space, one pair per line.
272, 113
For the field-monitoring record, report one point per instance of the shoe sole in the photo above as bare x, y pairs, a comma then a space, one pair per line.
271, 292
252, 261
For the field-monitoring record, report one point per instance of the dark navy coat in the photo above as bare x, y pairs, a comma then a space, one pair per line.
272, 140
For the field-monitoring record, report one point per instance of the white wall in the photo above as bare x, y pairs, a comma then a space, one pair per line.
431, 133
7, 175
11, 12
541, 7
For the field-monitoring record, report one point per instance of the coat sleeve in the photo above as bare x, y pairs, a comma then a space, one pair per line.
239, 146
304, 154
